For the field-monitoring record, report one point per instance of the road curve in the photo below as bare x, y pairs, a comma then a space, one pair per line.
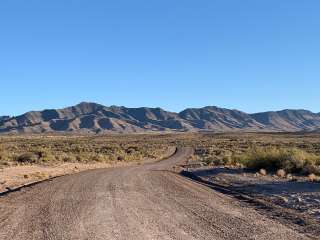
139, 202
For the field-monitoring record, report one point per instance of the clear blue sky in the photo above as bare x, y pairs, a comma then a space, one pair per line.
251, 55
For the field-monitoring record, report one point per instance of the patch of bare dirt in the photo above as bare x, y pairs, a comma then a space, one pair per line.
18, 176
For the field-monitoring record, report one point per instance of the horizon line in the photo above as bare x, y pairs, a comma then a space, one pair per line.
163, 108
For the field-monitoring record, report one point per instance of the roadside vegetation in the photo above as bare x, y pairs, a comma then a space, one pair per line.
51, 150
292, 153
291, 160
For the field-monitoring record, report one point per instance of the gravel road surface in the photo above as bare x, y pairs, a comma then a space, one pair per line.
139, 202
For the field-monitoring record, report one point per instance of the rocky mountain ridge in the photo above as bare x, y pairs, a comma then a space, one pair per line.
89, 117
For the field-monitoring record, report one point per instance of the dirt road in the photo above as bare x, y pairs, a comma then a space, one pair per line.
139, 202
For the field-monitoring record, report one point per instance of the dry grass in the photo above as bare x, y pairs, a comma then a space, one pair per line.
295, 153
291, 152
26, 159
50, 150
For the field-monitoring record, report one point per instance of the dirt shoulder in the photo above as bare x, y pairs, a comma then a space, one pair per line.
17, 176
294, 203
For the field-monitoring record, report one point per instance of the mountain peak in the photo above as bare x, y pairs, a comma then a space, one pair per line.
87, 104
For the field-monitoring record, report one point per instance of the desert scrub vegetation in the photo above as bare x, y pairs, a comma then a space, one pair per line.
47, 150
295, 153
292, 152
292, 160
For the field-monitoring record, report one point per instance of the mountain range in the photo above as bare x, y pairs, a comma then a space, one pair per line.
89, 117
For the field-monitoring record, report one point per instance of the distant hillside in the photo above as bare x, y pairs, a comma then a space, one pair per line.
95, 118
316, 131
3, 118
289, 120
219, 119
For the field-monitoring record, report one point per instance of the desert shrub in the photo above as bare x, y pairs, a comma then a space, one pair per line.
28, 158
3, 155
66, 157
291, 160
294, 160
257, 158
211, 149
42, 149
311, 168
120, 158
45, 155
99, 158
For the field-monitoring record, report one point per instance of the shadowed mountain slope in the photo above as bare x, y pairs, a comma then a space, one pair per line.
89, 117
289, 120
214, 118
3, 118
